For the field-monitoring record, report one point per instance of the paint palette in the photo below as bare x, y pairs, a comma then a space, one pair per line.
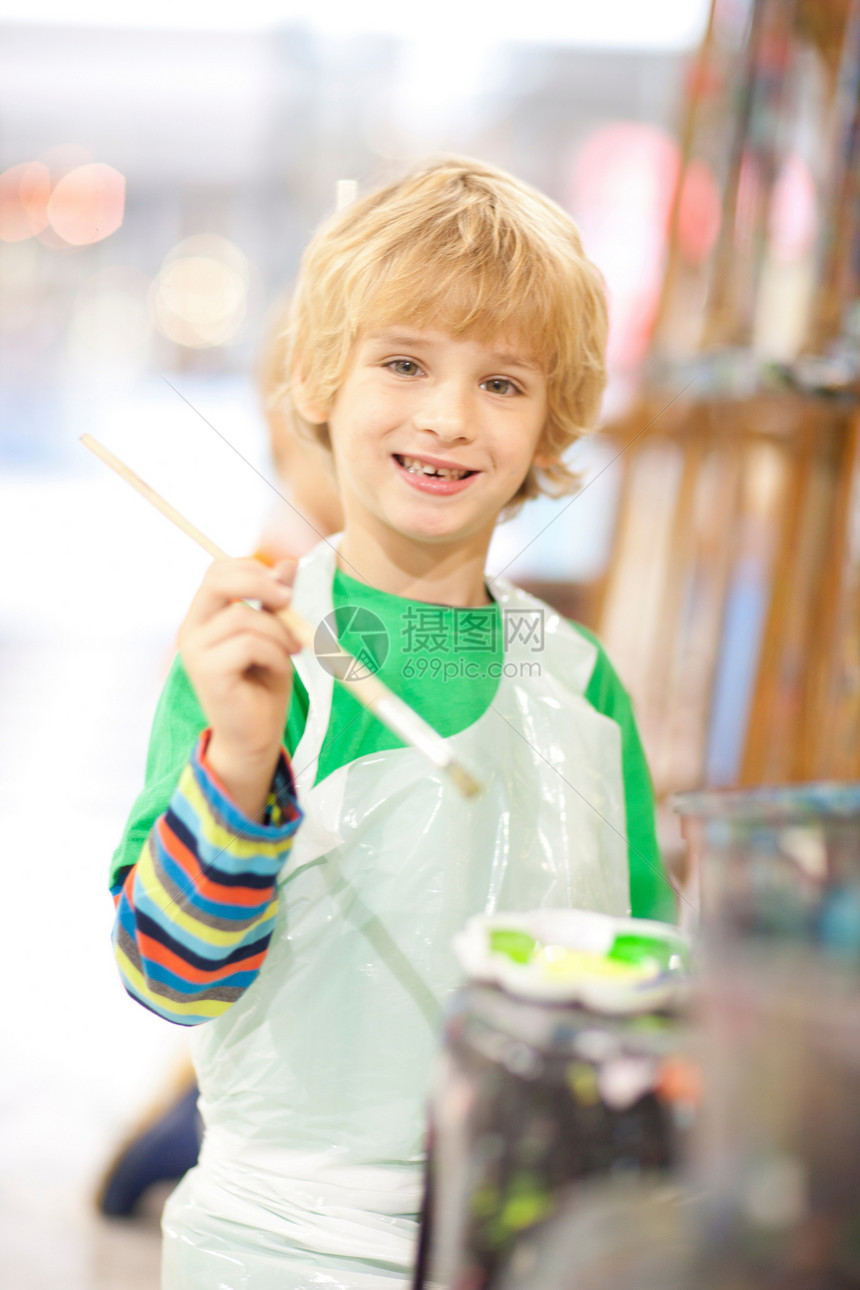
605, 964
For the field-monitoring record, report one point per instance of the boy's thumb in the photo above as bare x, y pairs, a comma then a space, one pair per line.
285, 570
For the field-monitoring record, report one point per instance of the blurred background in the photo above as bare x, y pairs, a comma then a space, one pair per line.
161, 168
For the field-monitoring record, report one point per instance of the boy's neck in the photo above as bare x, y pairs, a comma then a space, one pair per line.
439, 575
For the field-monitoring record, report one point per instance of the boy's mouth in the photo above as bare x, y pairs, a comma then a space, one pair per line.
420, 466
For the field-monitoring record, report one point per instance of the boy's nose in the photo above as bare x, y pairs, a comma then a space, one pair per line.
445, 412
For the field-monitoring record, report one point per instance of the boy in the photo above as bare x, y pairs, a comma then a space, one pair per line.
446, 344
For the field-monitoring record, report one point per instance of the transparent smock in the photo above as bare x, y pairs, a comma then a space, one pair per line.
313, 1085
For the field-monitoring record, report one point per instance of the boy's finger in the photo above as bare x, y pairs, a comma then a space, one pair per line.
285, 570
246, 650
238, 618
230, 580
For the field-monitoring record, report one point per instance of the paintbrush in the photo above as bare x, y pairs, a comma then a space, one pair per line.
368, 690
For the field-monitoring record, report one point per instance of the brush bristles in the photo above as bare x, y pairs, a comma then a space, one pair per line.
464, 779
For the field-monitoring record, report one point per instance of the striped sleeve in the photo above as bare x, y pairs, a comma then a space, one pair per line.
195, 914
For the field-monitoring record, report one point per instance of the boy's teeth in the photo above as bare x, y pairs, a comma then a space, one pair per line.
416, 467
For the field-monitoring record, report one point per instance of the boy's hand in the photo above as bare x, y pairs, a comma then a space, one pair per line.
238, 660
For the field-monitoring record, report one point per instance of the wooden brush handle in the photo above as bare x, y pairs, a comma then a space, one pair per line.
299, 626
369, 690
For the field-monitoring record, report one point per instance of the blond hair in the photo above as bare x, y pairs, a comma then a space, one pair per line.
467, 248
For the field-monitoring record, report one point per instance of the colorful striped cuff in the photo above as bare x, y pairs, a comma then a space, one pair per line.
195, 915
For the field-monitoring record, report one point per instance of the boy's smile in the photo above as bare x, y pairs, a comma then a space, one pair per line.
432, 436
432, 474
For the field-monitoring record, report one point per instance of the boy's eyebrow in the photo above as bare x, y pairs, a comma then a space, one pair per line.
408, 340
516, 360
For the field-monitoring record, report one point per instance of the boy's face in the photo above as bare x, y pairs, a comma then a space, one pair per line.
413, 400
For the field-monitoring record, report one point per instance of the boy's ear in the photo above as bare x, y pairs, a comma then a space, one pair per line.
306, 406
543, 456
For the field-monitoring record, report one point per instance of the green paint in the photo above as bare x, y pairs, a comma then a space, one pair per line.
647, 951
515, 945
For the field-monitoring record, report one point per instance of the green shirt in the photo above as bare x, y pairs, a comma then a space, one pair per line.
437, 658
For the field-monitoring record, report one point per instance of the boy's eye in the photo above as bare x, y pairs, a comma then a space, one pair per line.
403, 366
500, 385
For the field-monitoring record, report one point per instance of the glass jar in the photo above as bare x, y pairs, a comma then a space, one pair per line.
532, 1103
776, 1159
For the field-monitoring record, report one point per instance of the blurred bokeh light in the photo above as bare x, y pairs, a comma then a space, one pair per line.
621, 190
87, 204
201, 293
699, 212
25, 191
793, 219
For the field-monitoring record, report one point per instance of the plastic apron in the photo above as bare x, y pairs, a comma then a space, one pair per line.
313, 1083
